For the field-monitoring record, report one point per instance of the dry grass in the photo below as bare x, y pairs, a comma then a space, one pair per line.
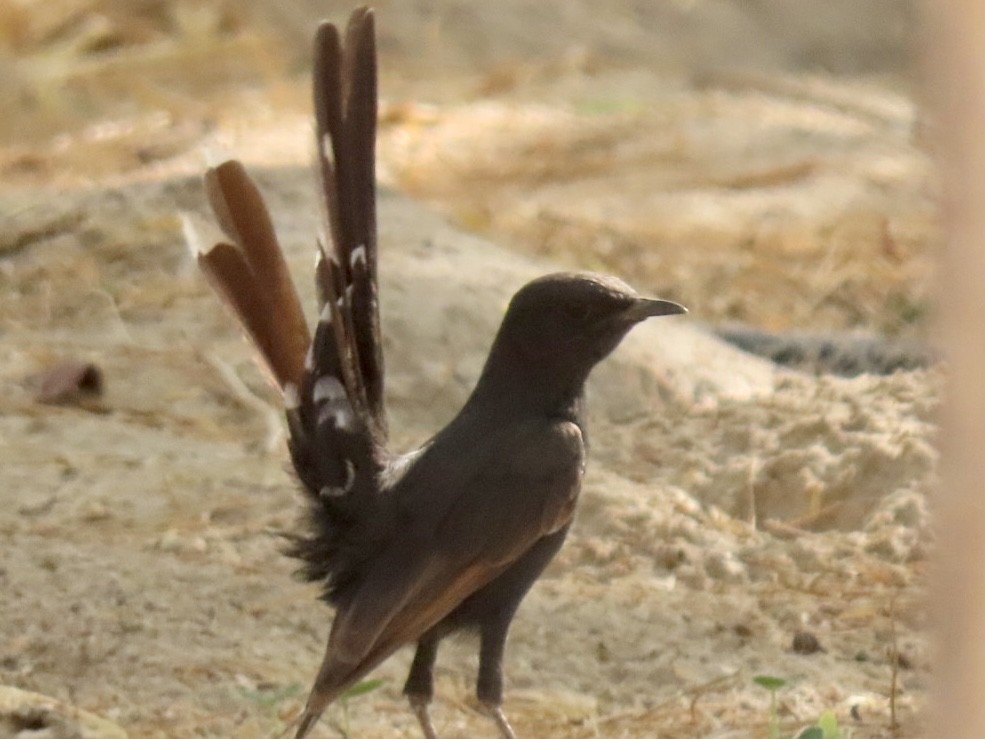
779, 200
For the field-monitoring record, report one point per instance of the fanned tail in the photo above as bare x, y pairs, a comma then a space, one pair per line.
338, 425
332, 383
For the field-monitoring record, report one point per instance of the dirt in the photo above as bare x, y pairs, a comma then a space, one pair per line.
730, 504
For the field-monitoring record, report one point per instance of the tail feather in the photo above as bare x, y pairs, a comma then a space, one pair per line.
252, 276
345, 102
333, 383
339, 432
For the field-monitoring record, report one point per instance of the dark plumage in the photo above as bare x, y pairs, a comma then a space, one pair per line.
410, 548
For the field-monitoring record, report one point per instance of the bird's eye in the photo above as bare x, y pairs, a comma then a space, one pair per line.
582, 314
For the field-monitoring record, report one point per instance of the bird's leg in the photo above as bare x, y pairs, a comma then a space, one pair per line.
489, 687
419, 687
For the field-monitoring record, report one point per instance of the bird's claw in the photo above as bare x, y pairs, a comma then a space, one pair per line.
419, 704
495, 711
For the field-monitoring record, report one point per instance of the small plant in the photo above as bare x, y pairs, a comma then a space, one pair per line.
267, 699
825, 728
772, 684
828, 723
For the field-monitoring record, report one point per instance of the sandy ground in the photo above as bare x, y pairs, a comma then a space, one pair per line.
730, 504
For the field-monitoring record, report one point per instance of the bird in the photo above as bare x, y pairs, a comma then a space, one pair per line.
409, 548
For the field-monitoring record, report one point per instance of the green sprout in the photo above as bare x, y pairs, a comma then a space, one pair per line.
825, 728
772, 684
268, 698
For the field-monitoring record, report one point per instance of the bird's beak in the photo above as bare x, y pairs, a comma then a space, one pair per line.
645, 308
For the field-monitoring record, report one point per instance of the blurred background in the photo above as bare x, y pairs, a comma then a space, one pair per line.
763, 160
769, 163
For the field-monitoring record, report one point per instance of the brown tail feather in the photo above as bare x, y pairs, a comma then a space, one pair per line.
359, 77
327, 86
231, 277
252, 277
360, 72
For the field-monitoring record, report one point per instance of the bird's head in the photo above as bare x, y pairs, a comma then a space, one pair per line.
558, 327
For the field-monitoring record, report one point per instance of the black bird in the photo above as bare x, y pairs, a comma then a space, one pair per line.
411, 548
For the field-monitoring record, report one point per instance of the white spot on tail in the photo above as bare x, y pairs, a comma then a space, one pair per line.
328, 387
340, 414
309, 359
214, 156
358, 256
326, 314
331, 492
291, 398
192, 240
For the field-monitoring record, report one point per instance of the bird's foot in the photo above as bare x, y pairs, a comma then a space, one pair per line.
495, 711
419, 704
305, 722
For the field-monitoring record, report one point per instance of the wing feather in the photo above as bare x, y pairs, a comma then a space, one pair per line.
523, 488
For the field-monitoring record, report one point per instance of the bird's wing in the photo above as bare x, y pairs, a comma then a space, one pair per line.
512, 490
497, 498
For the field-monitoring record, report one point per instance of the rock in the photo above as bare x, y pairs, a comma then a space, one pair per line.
27, 715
